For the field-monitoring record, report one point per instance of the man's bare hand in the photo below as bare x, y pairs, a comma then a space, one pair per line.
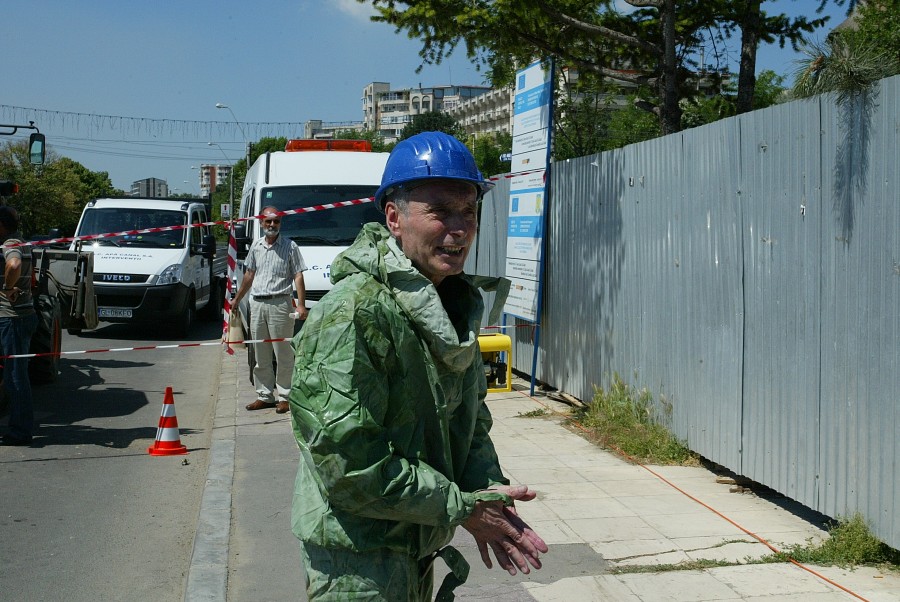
513, 542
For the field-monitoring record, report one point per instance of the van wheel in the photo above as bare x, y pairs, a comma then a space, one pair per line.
186, 318
47, 338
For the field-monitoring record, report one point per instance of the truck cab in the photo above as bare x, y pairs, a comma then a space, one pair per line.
306, 174
163, 276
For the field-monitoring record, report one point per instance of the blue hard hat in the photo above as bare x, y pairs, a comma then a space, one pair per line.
429, 155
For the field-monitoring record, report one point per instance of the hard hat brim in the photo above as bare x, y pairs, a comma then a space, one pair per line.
384, 192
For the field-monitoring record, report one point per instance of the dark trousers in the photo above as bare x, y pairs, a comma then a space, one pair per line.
15, 339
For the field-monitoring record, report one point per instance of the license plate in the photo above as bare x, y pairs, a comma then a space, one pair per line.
113, 312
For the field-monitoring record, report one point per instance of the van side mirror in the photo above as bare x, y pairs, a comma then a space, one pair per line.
209, 246
241, 240
37, 150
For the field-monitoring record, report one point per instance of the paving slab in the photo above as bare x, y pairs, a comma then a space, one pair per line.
612, 526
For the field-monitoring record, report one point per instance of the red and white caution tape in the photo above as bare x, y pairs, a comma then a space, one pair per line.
182, 345
508, 176
229, 223
140, 348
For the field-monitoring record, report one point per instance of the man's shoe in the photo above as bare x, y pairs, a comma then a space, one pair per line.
10, 439
259, 404
281, 407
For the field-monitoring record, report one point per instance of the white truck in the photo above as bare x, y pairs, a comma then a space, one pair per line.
309, 173
162, 277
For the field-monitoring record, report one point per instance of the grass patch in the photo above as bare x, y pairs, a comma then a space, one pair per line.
538, 413
625, 418
850, 543
690, 565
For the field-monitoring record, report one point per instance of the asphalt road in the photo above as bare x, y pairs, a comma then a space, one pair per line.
87, 513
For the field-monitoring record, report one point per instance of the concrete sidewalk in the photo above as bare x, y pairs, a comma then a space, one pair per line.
608, 523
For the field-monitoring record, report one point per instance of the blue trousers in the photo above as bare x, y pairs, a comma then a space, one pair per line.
15, 339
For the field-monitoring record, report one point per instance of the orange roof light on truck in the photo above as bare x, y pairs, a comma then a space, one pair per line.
296, 145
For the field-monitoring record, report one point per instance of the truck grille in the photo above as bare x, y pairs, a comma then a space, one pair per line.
103, 278
119, 300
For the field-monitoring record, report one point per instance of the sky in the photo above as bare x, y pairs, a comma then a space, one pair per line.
75, 67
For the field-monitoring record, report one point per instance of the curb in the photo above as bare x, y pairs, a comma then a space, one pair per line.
207, 577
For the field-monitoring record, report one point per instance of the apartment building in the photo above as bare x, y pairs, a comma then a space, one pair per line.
486, 113
149, 187
211, 176
387, 111
316, 129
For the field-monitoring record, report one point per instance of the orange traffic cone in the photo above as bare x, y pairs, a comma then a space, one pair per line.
168, 441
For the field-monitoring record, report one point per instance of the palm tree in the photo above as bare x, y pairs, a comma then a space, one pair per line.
860, 51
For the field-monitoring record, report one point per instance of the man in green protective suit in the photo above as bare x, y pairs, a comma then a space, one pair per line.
387, 397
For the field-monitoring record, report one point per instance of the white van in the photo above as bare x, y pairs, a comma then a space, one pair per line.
160, 278
309, 173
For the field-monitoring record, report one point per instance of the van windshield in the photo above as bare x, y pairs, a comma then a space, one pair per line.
338, 226
120, 219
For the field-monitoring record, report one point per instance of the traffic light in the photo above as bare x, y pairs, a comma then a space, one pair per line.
8, 188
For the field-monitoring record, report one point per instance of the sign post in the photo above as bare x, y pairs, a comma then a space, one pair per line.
532, 130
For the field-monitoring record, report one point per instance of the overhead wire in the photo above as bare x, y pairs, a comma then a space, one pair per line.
195, 134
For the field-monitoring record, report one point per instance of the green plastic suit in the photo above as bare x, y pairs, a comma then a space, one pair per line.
388, 404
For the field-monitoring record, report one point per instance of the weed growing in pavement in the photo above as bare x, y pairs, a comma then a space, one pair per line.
689, 565
625, 418
538, 413
850, 543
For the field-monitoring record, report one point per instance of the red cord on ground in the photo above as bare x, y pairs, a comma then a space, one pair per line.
584, 429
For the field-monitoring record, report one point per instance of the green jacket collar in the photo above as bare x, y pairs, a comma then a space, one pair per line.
452, 340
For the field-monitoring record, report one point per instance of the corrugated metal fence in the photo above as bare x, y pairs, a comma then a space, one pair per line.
747, 273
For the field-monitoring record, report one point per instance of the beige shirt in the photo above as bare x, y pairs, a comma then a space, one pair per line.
274, 265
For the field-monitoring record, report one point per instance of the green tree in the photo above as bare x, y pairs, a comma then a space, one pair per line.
630, 125
372, 136
432, 121
757, 26
877, 23
487, 150
701, 110
650, 49
770, 90
584, 109
853, 57
53, 195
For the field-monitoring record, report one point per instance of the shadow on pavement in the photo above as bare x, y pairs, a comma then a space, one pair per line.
201, 330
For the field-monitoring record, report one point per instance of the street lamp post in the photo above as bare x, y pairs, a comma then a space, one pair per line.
220, 105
